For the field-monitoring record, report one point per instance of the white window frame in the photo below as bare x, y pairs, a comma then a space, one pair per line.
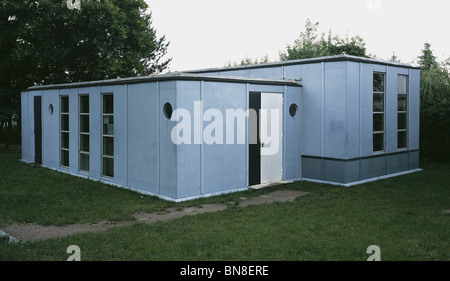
405, 112
383, 132
81, 134
61, 114
106, 135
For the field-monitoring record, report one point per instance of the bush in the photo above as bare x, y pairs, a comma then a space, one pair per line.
435, 114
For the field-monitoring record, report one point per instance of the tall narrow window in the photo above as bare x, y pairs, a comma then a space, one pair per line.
108, 135
64, 157
84, 133
378, 111
402, 112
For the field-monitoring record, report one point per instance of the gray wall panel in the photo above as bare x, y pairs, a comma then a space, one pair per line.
312, 110
372, 167
167, 149
335, 141
397, 163
353, 111
143, 139
188, 155
312, 168
220, 160
50, 128
292, 135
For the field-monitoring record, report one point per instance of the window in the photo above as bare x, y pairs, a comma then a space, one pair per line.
84, 133
293, 110
64, 157
167, 110
108, 135
378, 111
402, 112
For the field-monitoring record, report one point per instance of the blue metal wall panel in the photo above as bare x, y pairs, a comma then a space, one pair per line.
292, 139
51, 130
167, 149
189, 155
269, 72
25, 111
224, 166
293, 72
312, 81
366, 133
143, 139
239, 73
95, 131
353, 110
335, 128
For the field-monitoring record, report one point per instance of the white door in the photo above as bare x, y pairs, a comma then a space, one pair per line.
271, 137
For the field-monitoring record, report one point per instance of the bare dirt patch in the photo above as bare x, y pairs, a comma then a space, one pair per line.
33, 232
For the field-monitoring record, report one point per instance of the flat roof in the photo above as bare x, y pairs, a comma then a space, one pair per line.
306, 61
168, 77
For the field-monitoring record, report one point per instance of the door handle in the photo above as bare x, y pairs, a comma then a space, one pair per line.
262, 144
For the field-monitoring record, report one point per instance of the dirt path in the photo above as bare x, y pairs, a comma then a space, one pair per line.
33, 232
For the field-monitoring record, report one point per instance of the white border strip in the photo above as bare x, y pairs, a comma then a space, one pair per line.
364, 181
146, 192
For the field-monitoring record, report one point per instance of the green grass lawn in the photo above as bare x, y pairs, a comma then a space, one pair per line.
402, 215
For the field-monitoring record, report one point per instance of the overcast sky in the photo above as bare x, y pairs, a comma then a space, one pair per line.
211, 33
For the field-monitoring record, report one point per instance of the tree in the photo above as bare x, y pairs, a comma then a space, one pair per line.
45, 42
427, 60
434, 107
248, 61
394, 58
310, 45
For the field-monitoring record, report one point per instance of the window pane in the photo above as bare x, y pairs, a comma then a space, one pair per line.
402, 105
84, 162
84, 104
378, 122
64, 104
402, 84
401, 121
84, 123
108, 146
65, 140
108, 125
64, 122
65, 158
108, 167
401, 140
84, 143
108, 104
378, 82
378, 102
378, 142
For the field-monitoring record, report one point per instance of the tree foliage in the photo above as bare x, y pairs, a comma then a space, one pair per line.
249, 61
45, 42
427, 60
310, 44
434, 107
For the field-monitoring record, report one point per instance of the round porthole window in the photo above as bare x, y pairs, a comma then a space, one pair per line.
167, 110
50, 109
293, 109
